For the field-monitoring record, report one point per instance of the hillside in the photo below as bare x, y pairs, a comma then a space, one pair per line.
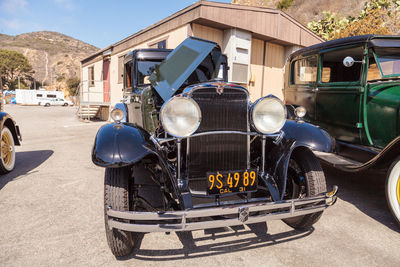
55, 57
305, 11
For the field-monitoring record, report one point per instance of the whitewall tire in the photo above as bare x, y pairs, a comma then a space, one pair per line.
7, 158
393, 189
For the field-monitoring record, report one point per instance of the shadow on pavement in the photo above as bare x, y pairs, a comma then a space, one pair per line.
238, 242
25, 162
365, 190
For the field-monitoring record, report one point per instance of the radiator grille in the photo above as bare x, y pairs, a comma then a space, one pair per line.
219, 152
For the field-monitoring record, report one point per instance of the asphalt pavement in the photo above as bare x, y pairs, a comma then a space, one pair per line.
52, 213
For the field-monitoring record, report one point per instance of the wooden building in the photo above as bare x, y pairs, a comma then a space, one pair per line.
256, 40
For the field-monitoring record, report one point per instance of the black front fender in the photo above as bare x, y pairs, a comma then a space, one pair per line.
308, 135
119, 145
296, 135
6, 120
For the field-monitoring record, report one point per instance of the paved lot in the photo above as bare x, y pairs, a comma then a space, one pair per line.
52, 214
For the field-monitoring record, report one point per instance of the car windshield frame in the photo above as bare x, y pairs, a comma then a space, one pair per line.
378, 59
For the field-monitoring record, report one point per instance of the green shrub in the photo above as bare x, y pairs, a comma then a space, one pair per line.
284, 4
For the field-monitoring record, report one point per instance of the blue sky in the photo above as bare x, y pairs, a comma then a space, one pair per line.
99, 23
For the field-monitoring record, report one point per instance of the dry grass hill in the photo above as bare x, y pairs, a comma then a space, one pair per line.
55, 57
305, 11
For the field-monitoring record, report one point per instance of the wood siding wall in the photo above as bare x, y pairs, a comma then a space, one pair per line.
208, 33
256, 68
273, 72
266, 69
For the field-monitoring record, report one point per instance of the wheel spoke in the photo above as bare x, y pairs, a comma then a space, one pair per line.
6, 149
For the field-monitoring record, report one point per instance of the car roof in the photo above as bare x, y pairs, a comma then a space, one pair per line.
148, 53
341, 42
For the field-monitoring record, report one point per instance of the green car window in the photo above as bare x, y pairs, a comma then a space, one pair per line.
388, 59
373, 69
333, 69
304, 71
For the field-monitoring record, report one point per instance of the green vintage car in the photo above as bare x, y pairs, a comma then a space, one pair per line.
351, 88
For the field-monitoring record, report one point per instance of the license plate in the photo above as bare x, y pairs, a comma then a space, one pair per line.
232, 182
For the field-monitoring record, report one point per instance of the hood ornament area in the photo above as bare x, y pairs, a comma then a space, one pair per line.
220, 89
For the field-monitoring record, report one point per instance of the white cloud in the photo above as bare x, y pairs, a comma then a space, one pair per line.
66, 4
12, 6
13, 24
16, 25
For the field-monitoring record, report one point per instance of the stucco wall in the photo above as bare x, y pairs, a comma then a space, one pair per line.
266, 64
95, 93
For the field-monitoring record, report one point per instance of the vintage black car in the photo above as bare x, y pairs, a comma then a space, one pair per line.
10, 137
188, 151
351, 88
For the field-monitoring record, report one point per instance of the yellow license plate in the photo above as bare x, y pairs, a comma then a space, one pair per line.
232, 182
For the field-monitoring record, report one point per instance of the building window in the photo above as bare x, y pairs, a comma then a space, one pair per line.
162, 44
304, 71
91, 76
128, 76
120, 68
333, 69
159, 44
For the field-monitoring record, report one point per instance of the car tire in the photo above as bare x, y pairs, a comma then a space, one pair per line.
7, 161
47, 105
393, 189
116, 195
65, 104
305, 179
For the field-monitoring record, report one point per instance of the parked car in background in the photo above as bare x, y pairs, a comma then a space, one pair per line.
54, 102
10, 137
351, 88
188, 151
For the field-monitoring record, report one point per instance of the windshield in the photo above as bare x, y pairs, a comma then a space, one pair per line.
144, 70
388, 59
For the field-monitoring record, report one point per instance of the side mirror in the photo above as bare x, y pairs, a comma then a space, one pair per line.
348, 62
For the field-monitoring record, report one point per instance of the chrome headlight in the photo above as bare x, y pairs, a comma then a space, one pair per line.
180, 116
268, 115
117, 115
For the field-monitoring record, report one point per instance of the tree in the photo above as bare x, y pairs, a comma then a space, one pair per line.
373, 23
13, 65
377, 17
73, 86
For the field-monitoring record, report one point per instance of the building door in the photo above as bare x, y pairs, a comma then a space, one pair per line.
106, 81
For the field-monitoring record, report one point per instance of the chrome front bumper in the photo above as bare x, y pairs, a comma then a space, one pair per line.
246, 214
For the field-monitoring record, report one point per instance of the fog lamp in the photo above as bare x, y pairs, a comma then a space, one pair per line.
117, 115
300, 112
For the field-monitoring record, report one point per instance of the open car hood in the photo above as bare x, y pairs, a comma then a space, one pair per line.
169, 76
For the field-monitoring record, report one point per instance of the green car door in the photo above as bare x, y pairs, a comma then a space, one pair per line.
382, 105
339, 93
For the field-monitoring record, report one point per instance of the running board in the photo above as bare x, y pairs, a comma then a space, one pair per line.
337, 161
